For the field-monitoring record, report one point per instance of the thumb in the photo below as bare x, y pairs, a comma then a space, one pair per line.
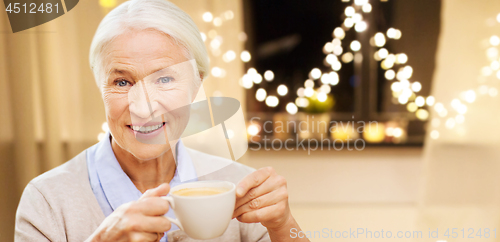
161, 190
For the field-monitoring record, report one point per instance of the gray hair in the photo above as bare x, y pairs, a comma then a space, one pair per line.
160, 15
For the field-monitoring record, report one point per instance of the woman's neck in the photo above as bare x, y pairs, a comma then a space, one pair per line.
146, 174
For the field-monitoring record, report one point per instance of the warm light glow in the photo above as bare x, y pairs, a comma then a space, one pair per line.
337, 50
357, 18
339, 33
325, 88
229, 56
269, 75
495, 65
430, 100
300, 92
361, 26
379, 39
228, 15
253, 129
459, 118
470, 96
215, 43
302, 102
486, 71
374, 132
322, 96
308, 92
411, 107
397, 132
217, 21
207, 17
422, 114
348, 22
309, 83
402, 99
328, 47
383, 53
416, 86
347, 57
282, 90
331, 58
360, 2
355, 45
396, 87
434, 134
390, 74
247, 81
272, 101
334, 78
494, 40
261, 94
325, 78
245, 56
391, 33
420, 101
257, 78
105, 127
315, 73
291, 108
401, 58
398, 34
367, 8
336, 66
216, 71
349, 11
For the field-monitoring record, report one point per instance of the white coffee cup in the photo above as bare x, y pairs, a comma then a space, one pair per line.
203, 217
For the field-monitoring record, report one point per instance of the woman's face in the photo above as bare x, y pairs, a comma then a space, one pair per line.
148, 87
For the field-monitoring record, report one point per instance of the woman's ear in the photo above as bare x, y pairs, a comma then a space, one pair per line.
201, 76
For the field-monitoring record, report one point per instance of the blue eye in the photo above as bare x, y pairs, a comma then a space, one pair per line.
122, 83
165, 79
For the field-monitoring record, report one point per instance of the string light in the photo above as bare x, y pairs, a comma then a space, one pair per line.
282, 90
207, 17
261, 94
272, 101
269, 75
245, 56
355, 45
291, 108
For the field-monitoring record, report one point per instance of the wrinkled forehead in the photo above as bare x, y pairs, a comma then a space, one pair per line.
142, 51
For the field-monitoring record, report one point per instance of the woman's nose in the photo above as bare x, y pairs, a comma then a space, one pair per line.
141, 102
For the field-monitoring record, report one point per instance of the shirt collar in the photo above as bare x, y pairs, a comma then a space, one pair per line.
117, 186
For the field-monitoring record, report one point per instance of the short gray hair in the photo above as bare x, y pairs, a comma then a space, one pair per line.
160, 15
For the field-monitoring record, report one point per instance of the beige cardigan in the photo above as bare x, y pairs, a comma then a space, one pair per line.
59, 205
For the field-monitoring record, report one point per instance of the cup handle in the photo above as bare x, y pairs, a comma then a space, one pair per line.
170, 201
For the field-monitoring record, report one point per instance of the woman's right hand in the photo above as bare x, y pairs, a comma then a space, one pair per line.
140, 220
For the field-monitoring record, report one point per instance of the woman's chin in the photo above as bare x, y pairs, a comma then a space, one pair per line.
149, 152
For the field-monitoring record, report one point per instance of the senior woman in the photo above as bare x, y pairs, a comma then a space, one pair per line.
112, 191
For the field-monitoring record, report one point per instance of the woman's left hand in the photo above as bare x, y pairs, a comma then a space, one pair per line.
262, 196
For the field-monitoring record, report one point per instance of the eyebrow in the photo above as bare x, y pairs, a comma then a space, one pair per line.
125, 71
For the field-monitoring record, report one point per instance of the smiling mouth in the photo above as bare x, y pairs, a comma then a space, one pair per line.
146, 129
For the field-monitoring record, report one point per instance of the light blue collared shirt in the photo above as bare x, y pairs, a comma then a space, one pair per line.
112, 187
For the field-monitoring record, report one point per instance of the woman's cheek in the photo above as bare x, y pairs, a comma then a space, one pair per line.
115, 103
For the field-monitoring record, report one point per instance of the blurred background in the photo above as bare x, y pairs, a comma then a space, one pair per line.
426, 72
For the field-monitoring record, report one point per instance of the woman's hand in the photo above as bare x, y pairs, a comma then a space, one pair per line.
140, 220
263, 197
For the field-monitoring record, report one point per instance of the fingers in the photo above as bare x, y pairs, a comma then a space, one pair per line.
151, 206
157, 224
266, 187
144, 237
161, 190
264, 214
262, 201
252, 180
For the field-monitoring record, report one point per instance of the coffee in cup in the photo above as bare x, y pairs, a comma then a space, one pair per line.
203, 208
